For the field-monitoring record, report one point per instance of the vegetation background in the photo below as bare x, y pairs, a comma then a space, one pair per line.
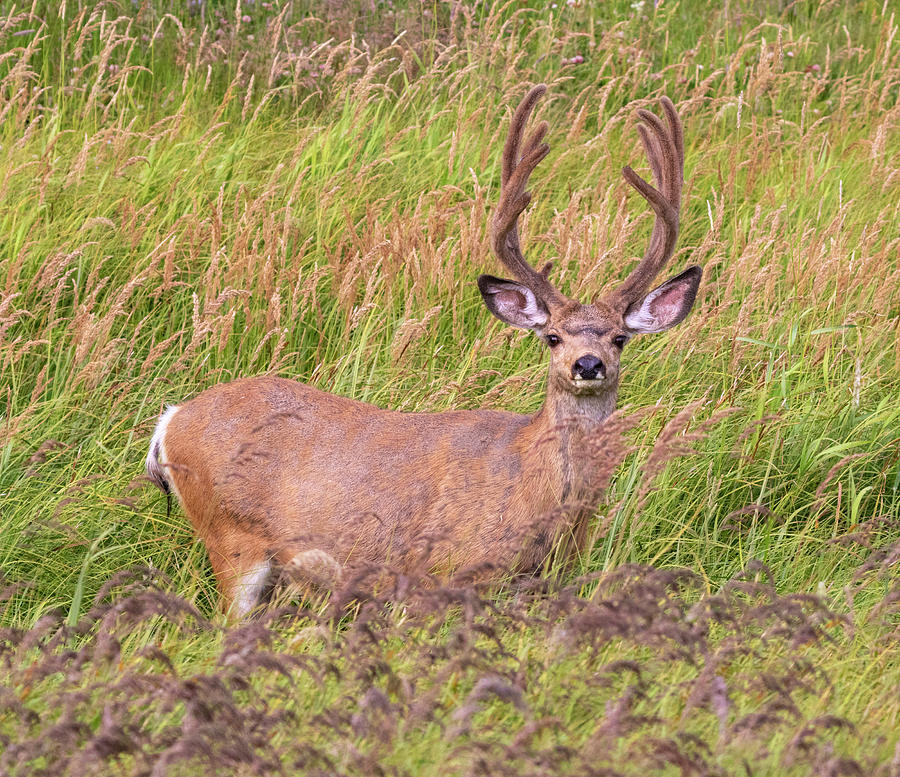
194, 191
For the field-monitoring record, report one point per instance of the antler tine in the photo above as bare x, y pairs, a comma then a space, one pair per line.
514, 136
515, 172
664, 146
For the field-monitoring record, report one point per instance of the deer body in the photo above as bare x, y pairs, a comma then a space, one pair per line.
472, 482
277, 475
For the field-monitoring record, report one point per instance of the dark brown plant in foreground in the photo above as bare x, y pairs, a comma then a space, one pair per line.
435, 673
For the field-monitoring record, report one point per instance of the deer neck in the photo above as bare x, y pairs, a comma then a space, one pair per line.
581, 415
561, 428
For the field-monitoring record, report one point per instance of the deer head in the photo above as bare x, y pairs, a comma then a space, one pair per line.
586, 340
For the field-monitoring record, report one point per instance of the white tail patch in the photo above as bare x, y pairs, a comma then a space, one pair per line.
156, 457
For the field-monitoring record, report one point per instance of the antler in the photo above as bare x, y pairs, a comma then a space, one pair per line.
514, 199
664, 146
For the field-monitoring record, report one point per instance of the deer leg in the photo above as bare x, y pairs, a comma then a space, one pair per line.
312, 566
243, 570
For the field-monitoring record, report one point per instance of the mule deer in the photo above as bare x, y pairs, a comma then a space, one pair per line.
275, 474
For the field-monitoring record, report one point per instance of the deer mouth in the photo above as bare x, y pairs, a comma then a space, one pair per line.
580, 385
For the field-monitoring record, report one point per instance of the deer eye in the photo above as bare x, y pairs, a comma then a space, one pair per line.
619, 341
553, 340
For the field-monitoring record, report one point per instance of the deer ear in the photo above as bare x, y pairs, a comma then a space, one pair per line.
513, 303
665, 306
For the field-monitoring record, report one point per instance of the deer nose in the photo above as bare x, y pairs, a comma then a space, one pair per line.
587, 367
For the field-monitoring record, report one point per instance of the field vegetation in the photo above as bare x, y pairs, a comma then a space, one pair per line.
193, 191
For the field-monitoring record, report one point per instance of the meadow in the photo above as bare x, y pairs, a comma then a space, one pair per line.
193, 191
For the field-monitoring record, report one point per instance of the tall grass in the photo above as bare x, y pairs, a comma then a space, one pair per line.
191, 192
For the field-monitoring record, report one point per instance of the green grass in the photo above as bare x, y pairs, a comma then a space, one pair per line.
180, 210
